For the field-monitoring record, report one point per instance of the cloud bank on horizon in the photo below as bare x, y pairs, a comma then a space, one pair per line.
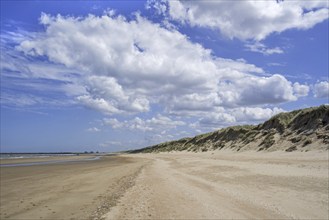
147, 74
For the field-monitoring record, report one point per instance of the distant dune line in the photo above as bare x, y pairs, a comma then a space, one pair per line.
300, 130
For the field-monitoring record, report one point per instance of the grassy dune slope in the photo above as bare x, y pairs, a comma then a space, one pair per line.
302, 130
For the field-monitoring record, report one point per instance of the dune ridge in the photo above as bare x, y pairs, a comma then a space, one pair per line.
299, 130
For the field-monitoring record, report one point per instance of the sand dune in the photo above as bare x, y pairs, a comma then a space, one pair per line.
300, 130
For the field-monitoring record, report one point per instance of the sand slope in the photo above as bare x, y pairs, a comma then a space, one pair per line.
228, 185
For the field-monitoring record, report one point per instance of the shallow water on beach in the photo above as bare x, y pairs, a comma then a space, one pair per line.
28, 155
48, 162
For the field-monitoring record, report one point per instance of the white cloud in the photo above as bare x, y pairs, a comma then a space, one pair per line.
19, 100
37, 81
321, 90
159, 6
249, 19
165, 65
99, 104
250, 114
105, 92
253, 90
154, 130
222, 117
93, 129
121, 71
276, 64
156, 123
217, 119
263, 49
301, 90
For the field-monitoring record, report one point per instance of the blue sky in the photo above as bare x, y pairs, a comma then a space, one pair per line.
118, 75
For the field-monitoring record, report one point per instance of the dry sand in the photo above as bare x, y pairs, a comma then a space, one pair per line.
226, 185
211, 185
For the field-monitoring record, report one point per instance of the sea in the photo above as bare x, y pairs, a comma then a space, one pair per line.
33, 155
43, 155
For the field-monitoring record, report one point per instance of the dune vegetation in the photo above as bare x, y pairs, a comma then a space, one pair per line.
299, 130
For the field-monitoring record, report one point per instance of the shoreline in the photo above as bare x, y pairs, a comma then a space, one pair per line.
43, 159
34, 163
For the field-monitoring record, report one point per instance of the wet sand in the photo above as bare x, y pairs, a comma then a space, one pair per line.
82, 190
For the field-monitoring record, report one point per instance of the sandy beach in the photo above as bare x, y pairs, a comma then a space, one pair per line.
226, 185
210, 185
81, 190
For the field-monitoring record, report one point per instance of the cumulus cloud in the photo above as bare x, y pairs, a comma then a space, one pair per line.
263, 49
124, 61
122, 71
249, 19
154, 130
301, 90
159, 6
156, 123
249, 114
99, 104
93, 129
321, 89
223, 117
106, 95
217, 120
108, 63
253, 90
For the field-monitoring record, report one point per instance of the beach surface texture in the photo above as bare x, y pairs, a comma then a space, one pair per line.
176, 185
78, 189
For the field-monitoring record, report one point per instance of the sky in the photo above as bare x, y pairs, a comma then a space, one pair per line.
116, 75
